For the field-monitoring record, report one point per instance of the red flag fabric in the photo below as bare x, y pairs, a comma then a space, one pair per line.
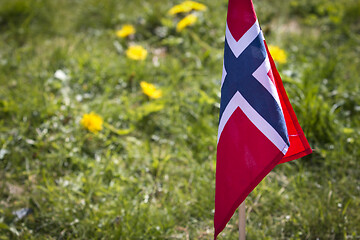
258, 128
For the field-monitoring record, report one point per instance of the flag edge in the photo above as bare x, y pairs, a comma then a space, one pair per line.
280, 86
248, 190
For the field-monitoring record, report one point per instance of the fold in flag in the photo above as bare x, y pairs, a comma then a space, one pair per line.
258, 128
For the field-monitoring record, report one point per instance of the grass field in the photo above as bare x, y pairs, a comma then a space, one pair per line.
149, 173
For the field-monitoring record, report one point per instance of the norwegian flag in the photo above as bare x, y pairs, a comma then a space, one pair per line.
258, 128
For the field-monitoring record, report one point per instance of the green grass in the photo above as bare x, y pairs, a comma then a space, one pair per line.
155, 177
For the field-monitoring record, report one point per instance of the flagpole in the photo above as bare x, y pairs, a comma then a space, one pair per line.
242, 221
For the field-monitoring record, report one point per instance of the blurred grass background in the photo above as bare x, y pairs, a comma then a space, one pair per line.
154, 177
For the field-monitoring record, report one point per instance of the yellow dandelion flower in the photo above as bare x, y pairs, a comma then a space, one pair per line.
278, 54
125, 31
186, 21
179, 9
136, 52
92, 122
187, 6
150, 90
196, 6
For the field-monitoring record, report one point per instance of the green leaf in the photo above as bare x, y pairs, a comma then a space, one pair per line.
4, 226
